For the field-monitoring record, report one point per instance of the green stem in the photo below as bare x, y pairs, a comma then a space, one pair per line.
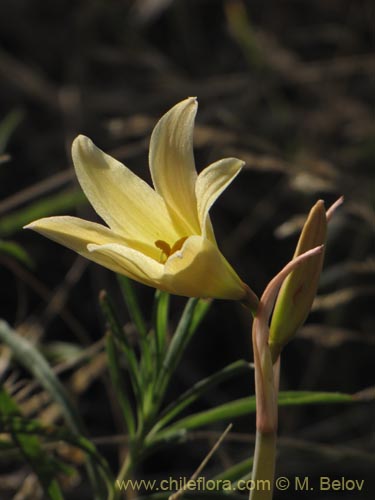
134, 452
266, 392
263, 466
125, 470
174, 353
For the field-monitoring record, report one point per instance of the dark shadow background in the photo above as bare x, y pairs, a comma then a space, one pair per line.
287, 86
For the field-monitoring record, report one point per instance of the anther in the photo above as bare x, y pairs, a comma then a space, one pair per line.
166, 250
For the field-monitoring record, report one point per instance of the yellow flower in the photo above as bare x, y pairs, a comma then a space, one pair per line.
161, 237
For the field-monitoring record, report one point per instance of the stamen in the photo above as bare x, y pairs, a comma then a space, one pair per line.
178, 245
164, 247
166, 250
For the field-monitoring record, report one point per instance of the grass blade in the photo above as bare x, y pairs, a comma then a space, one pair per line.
246, 406
45, 466
235, 472
132, 305
201, 387
29, 356
51, 205
160, 322
118, 383
193, 314
15, 251
31, 359
115, 327
54, 434
8, 126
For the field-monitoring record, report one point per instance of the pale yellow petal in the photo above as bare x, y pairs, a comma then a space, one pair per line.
73, 232
172, 162
200, 270
132, 263
211, 182
76, 234
123, 200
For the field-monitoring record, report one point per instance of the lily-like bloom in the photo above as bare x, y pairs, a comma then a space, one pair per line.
161, 237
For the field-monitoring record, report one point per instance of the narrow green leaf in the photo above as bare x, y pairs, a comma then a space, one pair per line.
15, 251
148, 364
201, 387
56, 204
295, 398
160, 322
242, 31
45, 466
8, 126
200, 312
29, 356
236, 472
186, 327
31, 359
246, 406
132, 304
10, 452
62, 352
118, 383
114, 325
53, 433
146, 373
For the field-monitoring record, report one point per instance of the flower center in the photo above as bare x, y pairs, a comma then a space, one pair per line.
167, 250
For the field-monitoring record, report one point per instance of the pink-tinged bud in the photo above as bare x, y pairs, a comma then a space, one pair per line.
266, 374
298, 291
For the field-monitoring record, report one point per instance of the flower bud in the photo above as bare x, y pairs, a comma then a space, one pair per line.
298, 291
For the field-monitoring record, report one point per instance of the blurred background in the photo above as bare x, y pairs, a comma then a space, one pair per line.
287, 86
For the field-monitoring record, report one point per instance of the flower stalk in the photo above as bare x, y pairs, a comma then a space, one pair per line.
267, 382
293, 289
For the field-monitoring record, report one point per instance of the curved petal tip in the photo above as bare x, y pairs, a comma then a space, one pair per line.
84, 149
